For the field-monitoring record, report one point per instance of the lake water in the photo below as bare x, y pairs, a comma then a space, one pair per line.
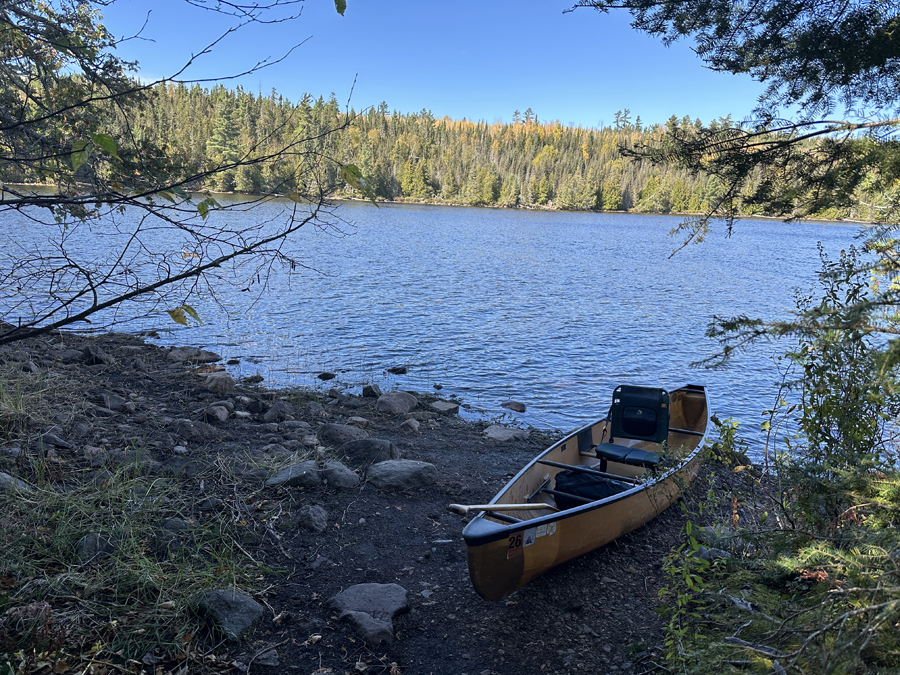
550, 309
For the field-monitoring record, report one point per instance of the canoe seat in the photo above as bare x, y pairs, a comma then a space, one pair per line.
625, 455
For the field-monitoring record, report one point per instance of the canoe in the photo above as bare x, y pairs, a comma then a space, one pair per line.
531, 526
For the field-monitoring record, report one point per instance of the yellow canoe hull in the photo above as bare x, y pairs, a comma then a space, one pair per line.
504, 555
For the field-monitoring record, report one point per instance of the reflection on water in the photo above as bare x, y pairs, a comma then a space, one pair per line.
552, 309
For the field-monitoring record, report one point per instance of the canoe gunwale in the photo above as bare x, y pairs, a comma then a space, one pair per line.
480, 531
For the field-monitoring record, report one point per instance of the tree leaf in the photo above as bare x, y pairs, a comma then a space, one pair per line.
351, 174
203, 209
79, 154
193, 312
106, 143
340, 6
178, 316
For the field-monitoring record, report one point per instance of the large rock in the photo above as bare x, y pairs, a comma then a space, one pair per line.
339, 476
371, 609
229, 611
10, 484
500, 433
402, 474
338, 434
368, 451
303, 474
396, 403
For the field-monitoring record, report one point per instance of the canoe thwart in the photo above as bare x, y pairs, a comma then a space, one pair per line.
689, 432
463, 509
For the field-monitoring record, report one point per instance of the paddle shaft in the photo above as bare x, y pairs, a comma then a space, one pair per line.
464, 509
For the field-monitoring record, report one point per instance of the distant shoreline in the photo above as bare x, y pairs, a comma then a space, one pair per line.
551, 209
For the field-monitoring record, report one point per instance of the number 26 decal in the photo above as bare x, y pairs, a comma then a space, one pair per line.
515, 545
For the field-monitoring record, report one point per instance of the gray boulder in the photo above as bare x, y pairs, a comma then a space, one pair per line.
402, 474
499, 433
396, 402
371, 609
369, 451
303, 474
339, 476
338, 434
229, 611
11, 484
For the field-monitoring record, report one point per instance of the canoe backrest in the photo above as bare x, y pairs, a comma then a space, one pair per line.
641, 413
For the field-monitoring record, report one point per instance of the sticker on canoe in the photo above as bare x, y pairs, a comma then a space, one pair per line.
529, 537
515, 545
551, 529
541, 531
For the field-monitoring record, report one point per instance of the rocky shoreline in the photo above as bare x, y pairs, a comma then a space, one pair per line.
338, 500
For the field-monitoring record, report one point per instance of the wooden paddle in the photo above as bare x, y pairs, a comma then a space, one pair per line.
463, 509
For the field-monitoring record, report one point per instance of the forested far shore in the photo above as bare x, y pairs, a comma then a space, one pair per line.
415, 156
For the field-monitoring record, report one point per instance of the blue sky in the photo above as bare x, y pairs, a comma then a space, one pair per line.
476, 59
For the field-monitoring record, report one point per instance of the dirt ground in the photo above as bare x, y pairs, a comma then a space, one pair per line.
596, 614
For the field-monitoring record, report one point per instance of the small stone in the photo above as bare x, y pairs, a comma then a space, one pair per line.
229, 611
92, 355
326, 376
500, 433
304, 474
313, 518
220, 383
192, 355
410, 426
360, 422
339, 476
445, 407
396, 403
398, 370
371, 391
53, 439
280, 411
93, 546
515, 406
216, 413
9, 484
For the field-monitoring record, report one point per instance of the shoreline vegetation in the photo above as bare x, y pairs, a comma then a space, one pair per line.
550, 208
420, 158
